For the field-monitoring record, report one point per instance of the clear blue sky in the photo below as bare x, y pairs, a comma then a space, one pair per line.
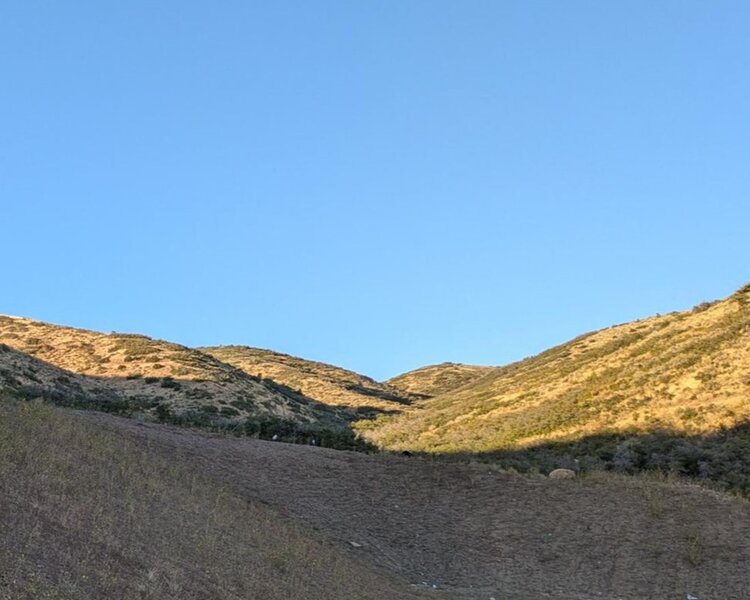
380, 184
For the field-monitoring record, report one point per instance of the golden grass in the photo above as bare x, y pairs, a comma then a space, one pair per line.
683, 372
320, 381
153, 371
435, 380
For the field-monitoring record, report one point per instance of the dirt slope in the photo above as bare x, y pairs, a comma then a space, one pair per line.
322, 382
684, 372
435, 380
476, 533
157, 373
86, 514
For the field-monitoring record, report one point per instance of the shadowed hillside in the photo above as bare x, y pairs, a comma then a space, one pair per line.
718, 460
88, 515
435, 380
685, 372
470, 531
322, 382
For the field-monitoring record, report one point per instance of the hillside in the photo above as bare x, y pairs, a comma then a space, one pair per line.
435, 380
320, 381
468, 531
685, 373
152, 377
138, 508
89, 514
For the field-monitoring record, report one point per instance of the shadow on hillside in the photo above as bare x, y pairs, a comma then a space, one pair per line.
381, 394
159, 398
720, 459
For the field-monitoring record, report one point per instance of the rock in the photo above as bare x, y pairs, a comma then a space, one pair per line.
355, 544
562, 474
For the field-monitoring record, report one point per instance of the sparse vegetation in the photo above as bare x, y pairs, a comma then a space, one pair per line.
694, 549
681, 372
89, 515
129, 374
435, 380
326, 384
653, 395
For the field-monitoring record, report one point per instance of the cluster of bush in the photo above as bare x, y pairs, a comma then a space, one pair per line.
208, 416
720, 460
75, 397
266, 428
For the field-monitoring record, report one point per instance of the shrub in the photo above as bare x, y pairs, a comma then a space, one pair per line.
168, 382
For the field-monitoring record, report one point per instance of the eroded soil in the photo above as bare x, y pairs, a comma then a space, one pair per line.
473, 532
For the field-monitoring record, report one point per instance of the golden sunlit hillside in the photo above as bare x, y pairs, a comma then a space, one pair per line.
152, 378
435, 380
325, 383
686, 373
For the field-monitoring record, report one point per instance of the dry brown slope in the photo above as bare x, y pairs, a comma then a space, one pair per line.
87, 515
685, 372
475, 532
434, 380
178, 378
323, 382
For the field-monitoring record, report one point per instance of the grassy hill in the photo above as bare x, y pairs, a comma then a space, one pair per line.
681, 374
88, 514
323, 382
123, 508
670, 392
435, 380
149, 378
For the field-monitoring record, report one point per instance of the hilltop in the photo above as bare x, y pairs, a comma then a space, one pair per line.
685, 373
435, 380
325, 383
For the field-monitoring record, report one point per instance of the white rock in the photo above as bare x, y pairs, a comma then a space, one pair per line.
562, 474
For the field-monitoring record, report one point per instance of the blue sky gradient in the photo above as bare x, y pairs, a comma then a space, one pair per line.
379, 185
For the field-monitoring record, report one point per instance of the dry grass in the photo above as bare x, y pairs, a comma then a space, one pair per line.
322, 382
476, 532
88, 514
684, 372
154, 372
435, 380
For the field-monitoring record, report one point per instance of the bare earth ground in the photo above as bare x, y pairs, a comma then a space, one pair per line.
473, 532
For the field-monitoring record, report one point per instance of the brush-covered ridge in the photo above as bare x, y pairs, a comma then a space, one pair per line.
155, 376
435, 380
685, 372
325, 383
